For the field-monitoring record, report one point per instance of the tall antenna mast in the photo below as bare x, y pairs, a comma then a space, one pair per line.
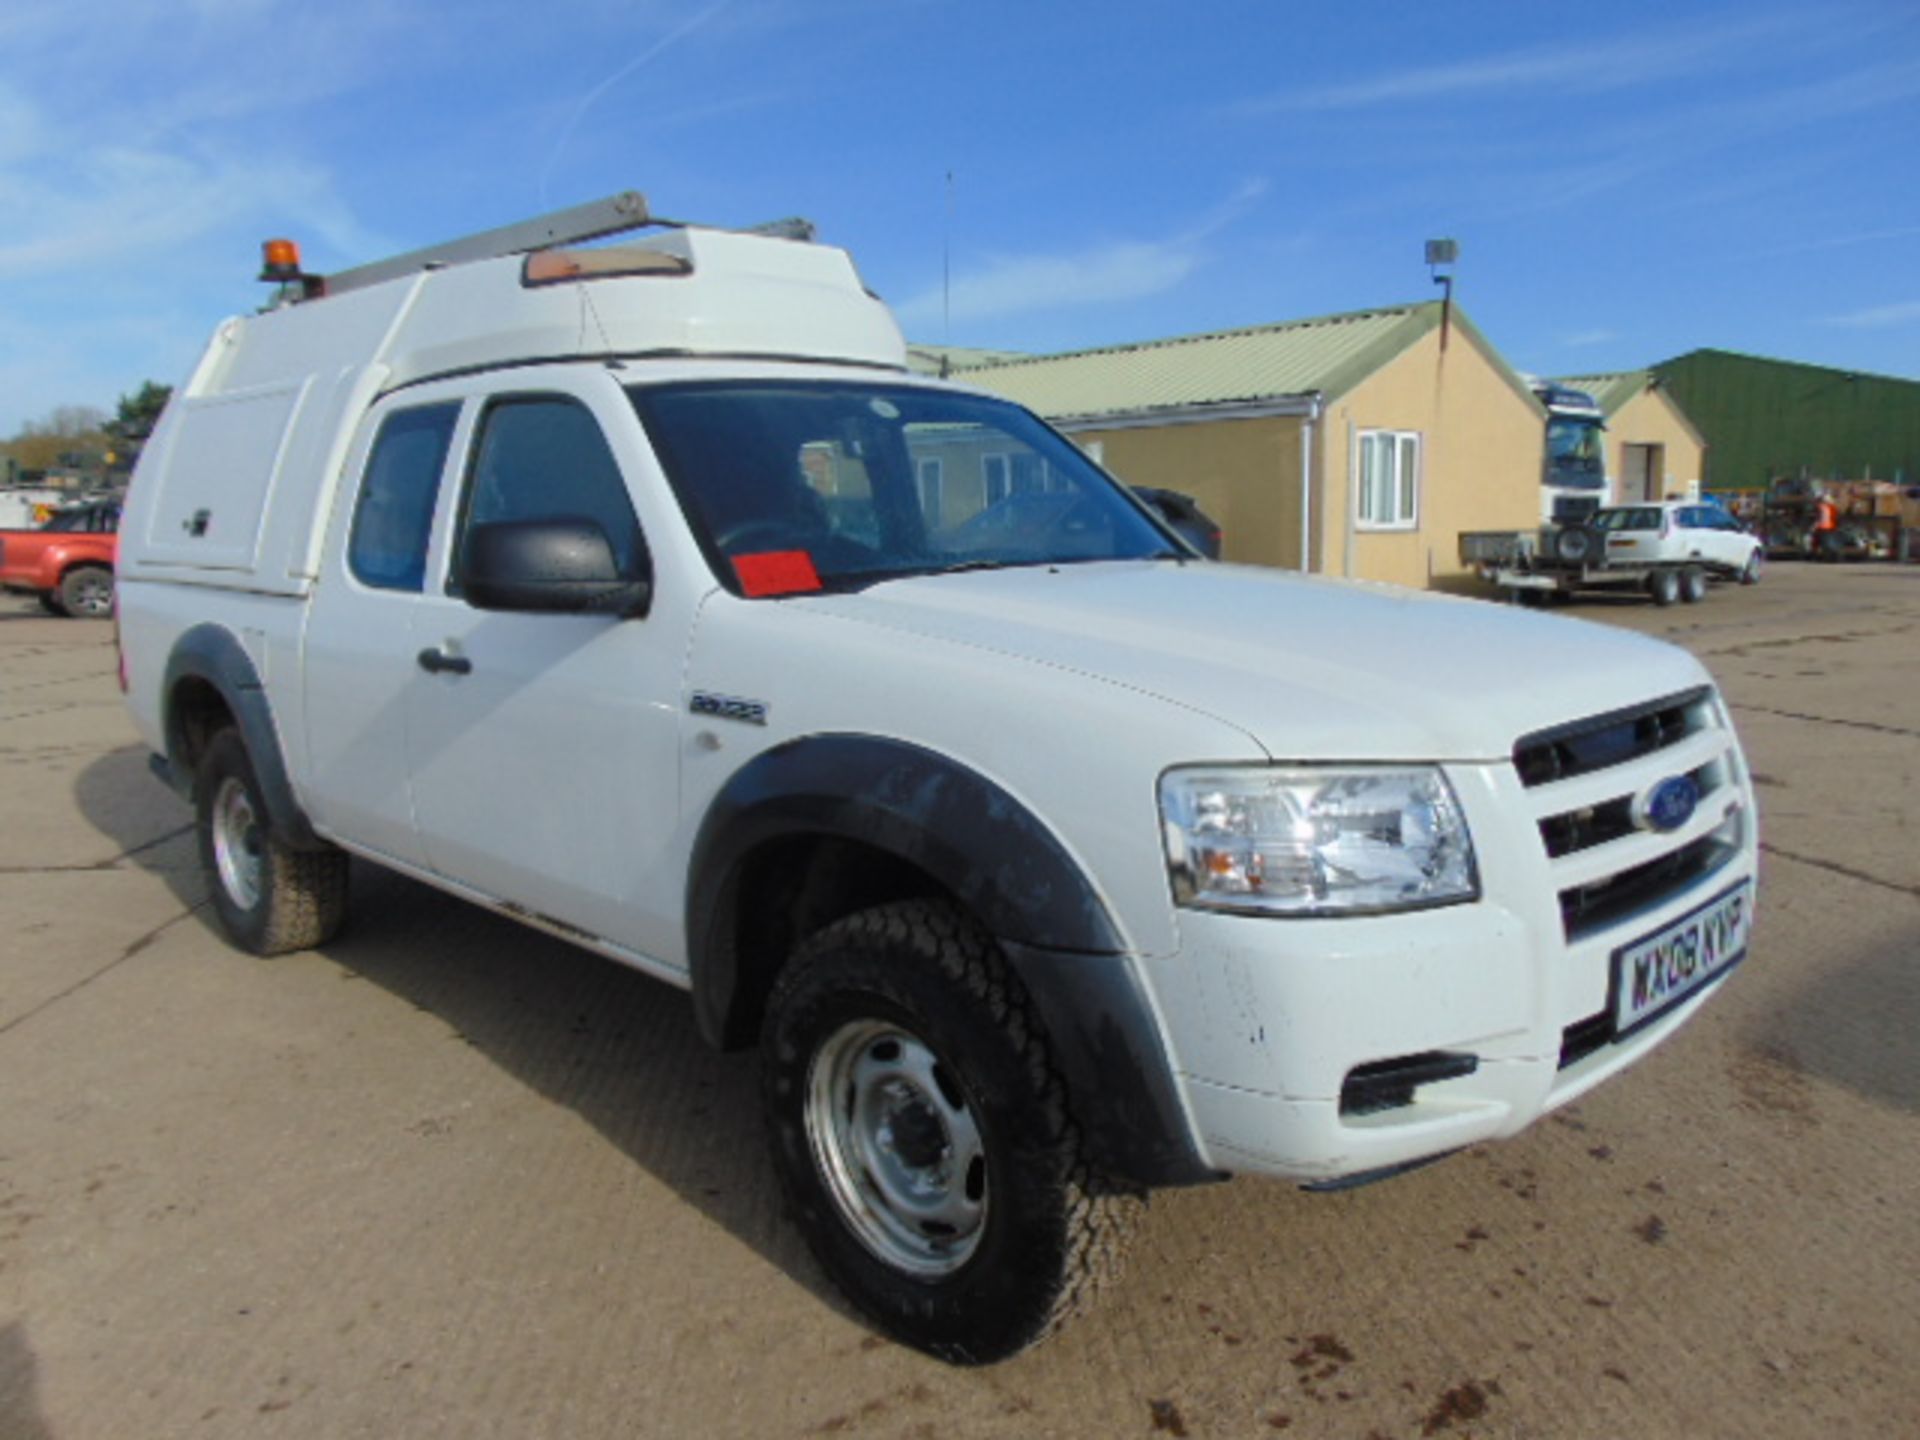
946, 271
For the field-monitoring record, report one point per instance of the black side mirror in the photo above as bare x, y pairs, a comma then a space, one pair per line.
564, 566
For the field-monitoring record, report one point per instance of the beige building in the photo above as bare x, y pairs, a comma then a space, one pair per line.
1653, 450
1357, 445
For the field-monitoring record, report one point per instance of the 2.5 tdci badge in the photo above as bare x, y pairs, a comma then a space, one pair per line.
728, 707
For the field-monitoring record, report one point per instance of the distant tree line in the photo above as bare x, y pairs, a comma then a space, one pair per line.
82, 442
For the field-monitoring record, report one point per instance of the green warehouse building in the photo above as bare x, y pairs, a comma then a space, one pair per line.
1766, 418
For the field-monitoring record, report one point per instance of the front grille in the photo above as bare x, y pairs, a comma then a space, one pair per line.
1605, 740
1584, 780
1585, 909
1575, 509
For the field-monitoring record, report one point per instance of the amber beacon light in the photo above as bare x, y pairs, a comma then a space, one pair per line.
279, 260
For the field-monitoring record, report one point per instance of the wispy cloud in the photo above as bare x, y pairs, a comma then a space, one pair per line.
1586, 68
1831, 242
1586, 339
1879, 317
1112, 272
647, 55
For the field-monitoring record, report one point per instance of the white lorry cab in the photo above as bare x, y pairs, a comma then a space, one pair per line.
641, 593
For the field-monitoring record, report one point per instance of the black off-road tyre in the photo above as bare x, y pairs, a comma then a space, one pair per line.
50, 602
1578, 544
268, 897
86, 592
868, 996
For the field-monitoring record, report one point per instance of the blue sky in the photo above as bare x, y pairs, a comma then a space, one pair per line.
1642, 180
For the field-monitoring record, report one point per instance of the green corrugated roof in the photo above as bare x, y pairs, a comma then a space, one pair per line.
1326, 356
1609, 391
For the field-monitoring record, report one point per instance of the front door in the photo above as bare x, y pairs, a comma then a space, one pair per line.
545, 746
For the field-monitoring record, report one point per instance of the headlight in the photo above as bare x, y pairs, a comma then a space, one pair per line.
1312, 841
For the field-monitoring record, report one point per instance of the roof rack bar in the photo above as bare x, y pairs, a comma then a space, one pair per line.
625, 211
793, 227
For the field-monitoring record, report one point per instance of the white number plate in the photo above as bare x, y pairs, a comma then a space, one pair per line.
1663, 969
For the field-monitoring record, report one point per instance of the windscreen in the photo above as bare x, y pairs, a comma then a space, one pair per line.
798, 486
1576, 452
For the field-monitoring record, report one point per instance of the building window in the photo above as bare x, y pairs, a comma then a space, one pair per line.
930, 473
996, 477
1387, 495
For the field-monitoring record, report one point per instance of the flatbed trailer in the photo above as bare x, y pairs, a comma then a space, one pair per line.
1522, 566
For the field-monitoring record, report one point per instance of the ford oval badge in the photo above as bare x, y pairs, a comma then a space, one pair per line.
1668, 805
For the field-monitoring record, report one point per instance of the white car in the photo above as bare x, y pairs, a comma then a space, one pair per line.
1678, 533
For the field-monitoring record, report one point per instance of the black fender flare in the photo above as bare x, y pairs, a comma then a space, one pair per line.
1000, 860
213, 654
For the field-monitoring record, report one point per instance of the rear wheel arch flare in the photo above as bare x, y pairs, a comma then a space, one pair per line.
211, 684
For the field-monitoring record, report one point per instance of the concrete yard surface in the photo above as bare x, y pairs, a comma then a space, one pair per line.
449, 1177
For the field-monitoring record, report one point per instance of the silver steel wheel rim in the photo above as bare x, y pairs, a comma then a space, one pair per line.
897, 1145
237, 843
93, 596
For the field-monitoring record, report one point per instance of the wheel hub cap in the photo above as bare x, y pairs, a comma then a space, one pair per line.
898, 1146
237, 844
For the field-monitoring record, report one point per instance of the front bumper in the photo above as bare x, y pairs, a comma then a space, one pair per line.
1269, 1019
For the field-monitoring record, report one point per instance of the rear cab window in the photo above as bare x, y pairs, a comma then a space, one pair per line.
393, 517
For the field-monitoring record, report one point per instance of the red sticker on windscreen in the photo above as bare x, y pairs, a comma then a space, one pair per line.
776, 572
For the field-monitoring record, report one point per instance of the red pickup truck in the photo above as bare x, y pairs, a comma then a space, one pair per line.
68, 562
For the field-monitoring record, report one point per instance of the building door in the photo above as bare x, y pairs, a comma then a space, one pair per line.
1642, 474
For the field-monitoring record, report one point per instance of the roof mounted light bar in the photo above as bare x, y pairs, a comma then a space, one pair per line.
592, 221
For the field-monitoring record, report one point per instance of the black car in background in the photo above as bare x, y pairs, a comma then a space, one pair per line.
1193, 524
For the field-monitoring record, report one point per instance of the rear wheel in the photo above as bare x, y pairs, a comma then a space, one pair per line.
1693, 585
269, 897
1664, 586
923, 1137
87, 591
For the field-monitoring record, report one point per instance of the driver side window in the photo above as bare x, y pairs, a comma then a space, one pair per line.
543, 457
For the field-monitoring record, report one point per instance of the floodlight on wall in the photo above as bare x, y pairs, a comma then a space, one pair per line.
1441, 257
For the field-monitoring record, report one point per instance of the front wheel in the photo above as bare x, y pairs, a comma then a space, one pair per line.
268, 897
1750, 572
923, 1137
86, 591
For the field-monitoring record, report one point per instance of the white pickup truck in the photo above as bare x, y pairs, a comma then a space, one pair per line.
642, 594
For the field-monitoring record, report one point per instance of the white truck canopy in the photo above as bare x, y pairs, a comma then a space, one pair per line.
272, 406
